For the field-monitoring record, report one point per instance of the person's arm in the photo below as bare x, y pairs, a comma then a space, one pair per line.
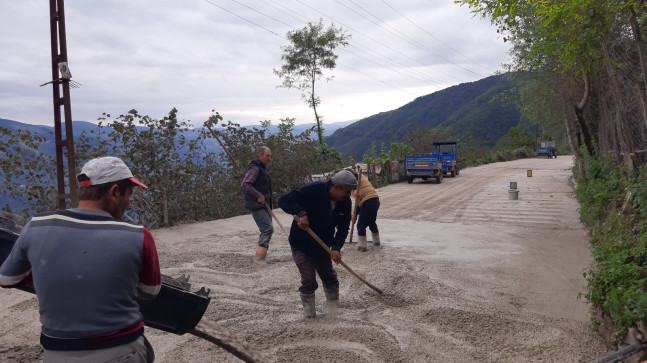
342, 226
15, 271
150, 277
291, 204
23, 280
248, 179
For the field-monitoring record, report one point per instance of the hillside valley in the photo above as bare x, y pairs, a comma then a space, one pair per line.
480, 111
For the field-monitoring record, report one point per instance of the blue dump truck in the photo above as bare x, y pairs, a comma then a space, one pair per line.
547, 149
448, 152
424, 166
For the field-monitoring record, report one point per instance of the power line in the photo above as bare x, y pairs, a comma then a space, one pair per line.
386, 83
362, 50
401, 35
433, 36
383, 66
234, 14
378, 42
284, 12
392, 69
250, 8
280, 8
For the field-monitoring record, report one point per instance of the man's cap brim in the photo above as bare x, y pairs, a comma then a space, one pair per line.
137, 183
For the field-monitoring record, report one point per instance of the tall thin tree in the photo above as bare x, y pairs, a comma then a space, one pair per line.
312, 50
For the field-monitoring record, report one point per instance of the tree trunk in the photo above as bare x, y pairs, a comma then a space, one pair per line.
576, 150
165, 207
319, 129
313, 102
642, 87
579, 112
613, 105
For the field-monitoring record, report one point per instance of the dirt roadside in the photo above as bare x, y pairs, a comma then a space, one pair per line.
468, 275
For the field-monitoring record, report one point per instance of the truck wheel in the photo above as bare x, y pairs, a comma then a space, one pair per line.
453, 173
439, 178
410, 180
458, 170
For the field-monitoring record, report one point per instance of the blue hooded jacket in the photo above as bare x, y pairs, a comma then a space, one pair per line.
331, 225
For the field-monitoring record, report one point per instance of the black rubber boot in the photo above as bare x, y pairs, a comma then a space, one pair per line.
308, 301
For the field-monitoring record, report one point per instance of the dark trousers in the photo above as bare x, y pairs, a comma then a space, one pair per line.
308, 265
367, 216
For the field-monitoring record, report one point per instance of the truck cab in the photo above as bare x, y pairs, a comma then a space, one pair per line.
547, 149
448, 152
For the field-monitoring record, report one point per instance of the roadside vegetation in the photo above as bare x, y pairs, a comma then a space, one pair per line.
613, 203
188, 181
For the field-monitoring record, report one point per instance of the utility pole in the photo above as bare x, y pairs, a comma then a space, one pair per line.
61, 83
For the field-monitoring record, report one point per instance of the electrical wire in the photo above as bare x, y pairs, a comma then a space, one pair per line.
431, 35
364, 54
401, 35
234, 14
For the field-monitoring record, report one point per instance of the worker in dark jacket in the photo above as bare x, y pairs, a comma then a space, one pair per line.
257, 186
324, 207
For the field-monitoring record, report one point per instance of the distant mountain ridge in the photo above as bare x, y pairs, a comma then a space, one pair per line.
79, 126
483, 110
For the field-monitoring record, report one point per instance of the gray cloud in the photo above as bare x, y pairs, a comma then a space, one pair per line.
195, 56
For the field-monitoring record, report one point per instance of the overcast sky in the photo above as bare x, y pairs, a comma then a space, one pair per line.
203, 55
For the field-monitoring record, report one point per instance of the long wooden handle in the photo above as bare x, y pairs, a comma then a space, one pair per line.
269, 210
227, 340
314, 235
354, 218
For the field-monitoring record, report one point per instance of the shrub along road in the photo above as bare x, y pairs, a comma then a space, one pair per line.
467, 275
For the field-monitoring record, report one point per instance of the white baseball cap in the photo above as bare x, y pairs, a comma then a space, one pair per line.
105, 170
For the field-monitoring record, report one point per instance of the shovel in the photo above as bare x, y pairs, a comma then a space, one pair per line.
314, 235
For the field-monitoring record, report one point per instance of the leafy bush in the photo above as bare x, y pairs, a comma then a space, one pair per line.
617, 284
595, 193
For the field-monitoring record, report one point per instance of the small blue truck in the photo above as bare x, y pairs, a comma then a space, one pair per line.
424, 166
547, 149
448, 152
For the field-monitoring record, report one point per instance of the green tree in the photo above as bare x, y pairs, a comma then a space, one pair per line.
574, 38
26, 172
156, 151
518, 137
312, 50
294, 157
420, 140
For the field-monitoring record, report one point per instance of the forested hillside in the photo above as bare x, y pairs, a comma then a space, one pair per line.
483, 111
